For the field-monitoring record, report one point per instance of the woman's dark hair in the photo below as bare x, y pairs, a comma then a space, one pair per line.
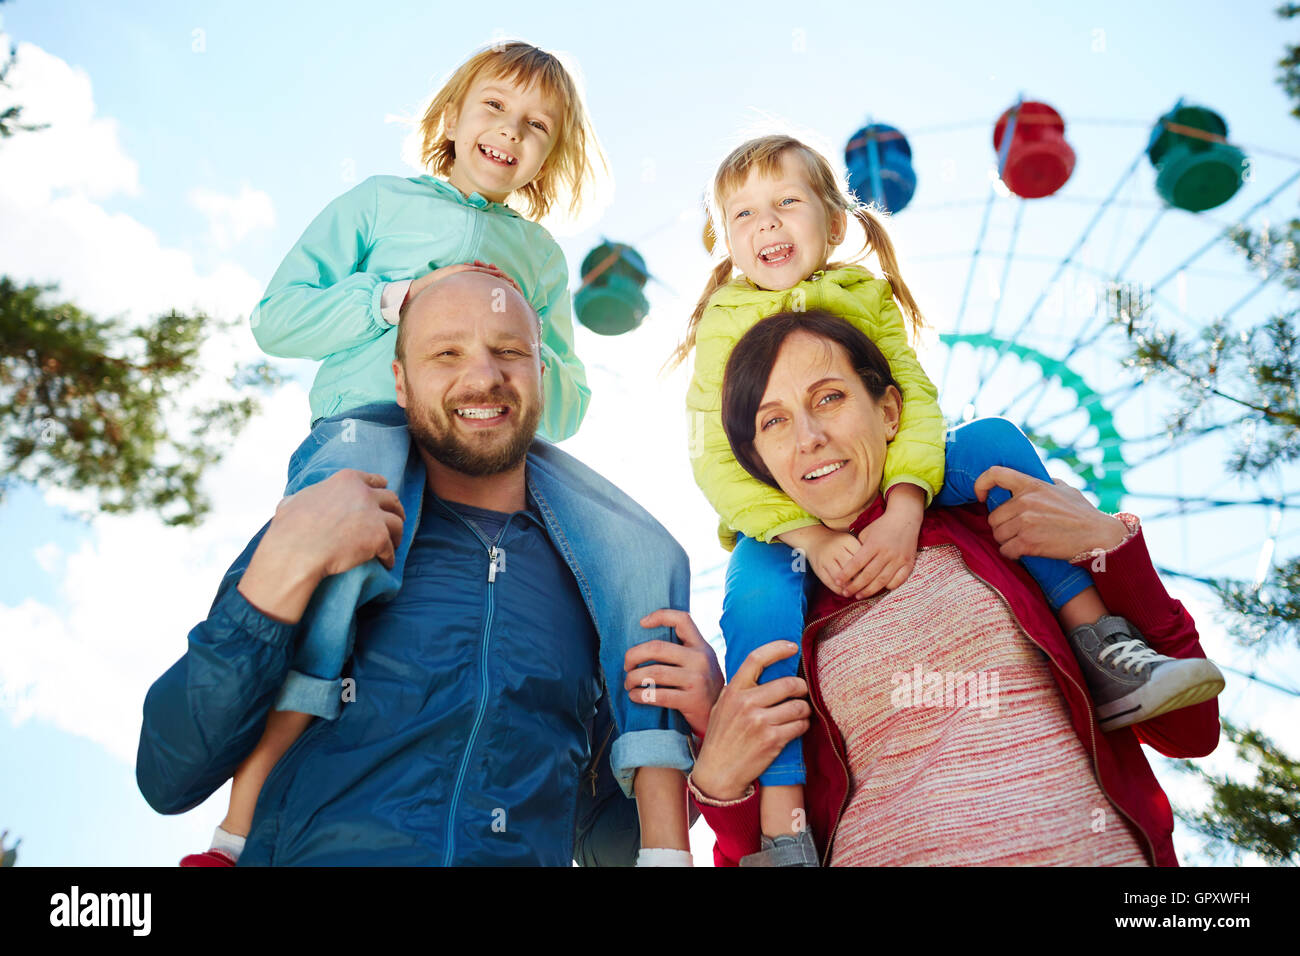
750, 366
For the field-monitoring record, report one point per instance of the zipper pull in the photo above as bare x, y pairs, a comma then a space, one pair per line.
496, 563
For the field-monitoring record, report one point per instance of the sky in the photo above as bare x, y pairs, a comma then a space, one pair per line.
190, 143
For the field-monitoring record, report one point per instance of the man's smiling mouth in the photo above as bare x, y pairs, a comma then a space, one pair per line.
483, 413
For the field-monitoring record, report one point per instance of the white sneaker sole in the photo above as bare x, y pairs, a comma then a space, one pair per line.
1171, 688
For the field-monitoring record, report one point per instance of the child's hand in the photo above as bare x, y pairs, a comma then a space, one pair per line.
884, 559
829, 556
888, 552
429, 278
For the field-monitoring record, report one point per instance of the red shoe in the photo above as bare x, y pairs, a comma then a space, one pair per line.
209, 858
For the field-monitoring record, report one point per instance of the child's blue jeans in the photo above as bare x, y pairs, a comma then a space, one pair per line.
371, 438
766, 598
767, 584
976, 447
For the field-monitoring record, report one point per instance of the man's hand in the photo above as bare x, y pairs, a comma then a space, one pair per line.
326, 528
686, 677
750, 724
1045, 521
429, 278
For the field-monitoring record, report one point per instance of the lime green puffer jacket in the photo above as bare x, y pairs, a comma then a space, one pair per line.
746, 504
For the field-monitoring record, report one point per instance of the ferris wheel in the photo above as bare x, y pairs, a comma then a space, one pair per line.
1045, 264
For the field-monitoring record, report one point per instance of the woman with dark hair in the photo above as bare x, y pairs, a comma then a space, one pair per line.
950, 721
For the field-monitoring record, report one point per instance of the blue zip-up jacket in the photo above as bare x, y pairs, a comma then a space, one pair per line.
479, 733
324, 301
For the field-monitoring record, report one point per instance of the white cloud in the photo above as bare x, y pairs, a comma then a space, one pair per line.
112, 264
48, 556
79, 152
51, 183
231, 218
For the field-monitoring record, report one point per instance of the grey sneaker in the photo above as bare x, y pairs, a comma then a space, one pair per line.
784, 850
1129, 682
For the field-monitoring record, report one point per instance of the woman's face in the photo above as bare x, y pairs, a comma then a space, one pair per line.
820, 433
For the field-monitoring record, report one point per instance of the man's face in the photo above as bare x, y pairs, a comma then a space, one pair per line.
471, 382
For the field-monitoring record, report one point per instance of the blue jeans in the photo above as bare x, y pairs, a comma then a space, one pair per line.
627, 566
765, 600
974, 448
766, 592
369, 438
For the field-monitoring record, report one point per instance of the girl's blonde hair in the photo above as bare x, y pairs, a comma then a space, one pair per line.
571, 166
765, 154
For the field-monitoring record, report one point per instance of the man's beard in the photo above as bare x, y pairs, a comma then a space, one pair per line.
466, 457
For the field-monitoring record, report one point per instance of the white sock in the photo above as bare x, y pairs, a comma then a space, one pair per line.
227, 843
663, 857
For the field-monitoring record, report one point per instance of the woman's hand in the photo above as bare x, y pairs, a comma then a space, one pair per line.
1045, 521
686, 675
429, 278
750, 724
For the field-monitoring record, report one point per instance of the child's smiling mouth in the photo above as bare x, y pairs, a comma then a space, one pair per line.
497, 156
778, 253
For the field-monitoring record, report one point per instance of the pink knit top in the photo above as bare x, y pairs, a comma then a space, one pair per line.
959, 744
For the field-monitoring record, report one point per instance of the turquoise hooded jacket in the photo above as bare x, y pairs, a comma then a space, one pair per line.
323, 302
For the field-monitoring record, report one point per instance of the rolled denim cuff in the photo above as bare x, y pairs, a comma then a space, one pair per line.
1071, 584
311, 695
649, 748
783, 776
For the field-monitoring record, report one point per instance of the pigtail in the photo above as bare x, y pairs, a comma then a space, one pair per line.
879, 242
720, 276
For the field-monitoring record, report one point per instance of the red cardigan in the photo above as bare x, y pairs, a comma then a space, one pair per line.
1129, 587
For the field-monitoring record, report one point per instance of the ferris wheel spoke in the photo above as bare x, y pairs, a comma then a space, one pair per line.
1276, 271
1187, 438
1060, 268
1142, 240
1265, 560
1095, 399
1102, 444
1041, 386
1006, 264
970, 278
1220, 236
1237, 555
1194, 506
